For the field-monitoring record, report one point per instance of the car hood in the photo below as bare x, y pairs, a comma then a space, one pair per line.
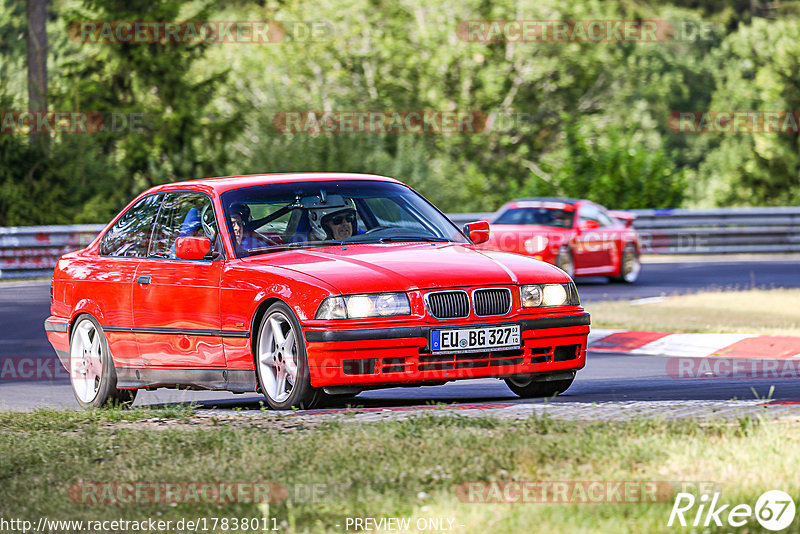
409, 266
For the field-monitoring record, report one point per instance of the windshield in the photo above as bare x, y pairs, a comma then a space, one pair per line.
274, 217
538, 216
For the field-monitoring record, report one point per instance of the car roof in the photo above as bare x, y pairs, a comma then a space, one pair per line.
563, 200
226, 183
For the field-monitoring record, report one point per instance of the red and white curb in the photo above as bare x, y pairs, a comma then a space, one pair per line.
746, 346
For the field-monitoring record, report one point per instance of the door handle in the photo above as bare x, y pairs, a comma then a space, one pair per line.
144, 280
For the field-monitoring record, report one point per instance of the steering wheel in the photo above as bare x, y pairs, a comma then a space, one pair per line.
208, 222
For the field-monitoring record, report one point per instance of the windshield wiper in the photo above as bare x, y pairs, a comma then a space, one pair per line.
400, 238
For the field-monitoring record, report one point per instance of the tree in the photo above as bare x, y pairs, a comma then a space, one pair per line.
37, 58
615, 167
758, 66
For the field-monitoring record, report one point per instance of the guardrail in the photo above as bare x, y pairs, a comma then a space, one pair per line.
31, 251
720, 230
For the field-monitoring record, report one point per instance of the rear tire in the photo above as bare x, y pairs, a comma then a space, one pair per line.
91, 367
629, 265
282, 362
528, 389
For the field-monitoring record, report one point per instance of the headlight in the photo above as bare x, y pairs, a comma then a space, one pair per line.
536, 244
363, 306
533, 296
554, 295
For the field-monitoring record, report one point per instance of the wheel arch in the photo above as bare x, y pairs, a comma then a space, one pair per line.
258, 316
86, 307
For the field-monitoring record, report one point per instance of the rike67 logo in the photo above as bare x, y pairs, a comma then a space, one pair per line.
774, 510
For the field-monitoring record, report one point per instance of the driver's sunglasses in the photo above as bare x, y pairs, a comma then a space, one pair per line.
339, 219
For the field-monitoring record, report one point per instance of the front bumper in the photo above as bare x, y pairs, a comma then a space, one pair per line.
386, 356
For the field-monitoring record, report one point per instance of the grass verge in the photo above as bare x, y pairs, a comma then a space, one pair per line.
766, 312
402, 469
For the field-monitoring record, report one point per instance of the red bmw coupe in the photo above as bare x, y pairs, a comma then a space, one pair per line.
304, 286
578, 236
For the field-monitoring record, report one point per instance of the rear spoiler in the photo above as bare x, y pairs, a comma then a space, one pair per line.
624, 216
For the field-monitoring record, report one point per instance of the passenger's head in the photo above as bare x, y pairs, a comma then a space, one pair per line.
240, 216
237, 225
333, 223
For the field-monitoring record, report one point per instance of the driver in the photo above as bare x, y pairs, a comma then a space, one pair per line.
333, 223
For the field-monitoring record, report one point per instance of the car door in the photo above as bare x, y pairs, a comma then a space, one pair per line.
589, 240
176, 302
610, 234
109, 280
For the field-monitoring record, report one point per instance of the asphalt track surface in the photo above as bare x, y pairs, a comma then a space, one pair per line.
607, 377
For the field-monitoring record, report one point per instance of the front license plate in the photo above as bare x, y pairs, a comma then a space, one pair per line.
475, 339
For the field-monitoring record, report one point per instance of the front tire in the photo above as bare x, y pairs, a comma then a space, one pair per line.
565, 261
92, 373
282, 362
629, 265
528, 388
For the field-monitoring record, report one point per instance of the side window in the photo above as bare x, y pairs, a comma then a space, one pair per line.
130, 235
183, 215
604, 218
589, 213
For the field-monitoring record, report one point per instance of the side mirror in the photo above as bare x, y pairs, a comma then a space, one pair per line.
588, 225
192, 248
626, 217
477, 231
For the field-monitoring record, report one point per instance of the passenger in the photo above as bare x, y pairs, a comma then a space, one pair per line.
333, 223
240, 216
561, 219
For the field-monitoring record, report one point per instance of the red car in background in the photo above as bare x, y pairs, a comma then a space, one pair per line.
302, 287
579, 236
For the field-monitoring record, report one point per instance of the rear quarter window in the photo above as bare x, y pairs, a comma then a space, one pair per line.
130, 235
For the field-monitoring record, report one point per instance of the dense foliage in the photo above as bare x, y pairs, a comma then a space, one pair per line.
577, 118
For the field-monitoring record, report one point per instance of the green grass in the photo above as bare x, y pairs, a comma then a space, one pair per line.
766, 312
389, 469
66, 420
